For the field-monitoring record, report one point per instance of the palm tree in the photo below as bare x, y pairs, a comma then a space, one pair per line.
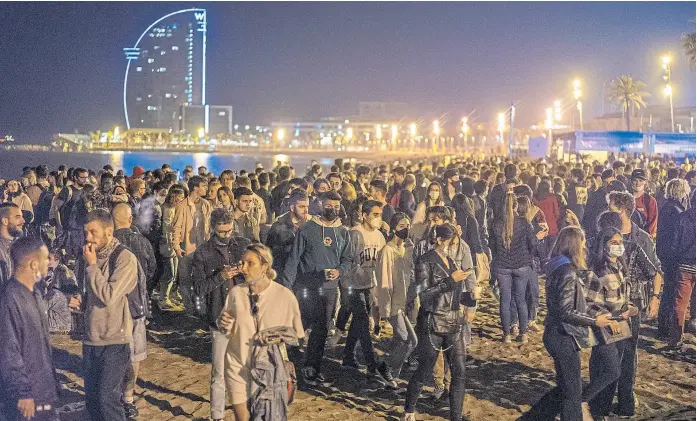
688, 44
628, 94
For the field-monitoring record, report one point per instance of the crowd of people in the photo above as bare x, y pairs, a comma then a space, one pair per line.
282, 265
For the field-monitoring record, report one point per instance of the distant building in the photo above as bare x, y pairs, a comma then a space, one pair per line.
165, 81
166, 69
194, 117
368, 110
655, 118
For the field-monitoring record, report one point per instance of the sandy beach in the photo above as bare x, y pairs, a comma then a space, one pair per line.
503, 382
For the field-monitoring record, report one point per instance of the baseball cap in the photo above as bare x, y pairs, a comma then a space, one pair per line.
639, 174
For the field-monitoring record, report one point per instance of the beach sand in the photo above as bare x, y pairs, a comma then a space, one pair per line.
503, 382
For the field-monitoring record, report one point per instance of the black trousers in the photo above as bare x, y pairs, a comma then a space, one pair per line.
604, 368
627, 351
567, 396
427, 351
313, 304
360, 304
105, 368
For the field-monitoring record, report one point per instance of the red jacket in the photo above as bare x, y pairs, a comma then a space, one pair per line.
550, 208
649, 211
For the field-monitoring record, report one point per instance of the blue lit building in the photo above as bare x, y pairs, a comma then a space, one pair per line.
166, 70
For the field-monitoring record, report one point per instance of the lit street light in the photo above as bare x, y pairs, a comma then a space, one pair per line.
412, 129
465, 130
668, 90
378, 131
280, 135
394, 132
557, 110
349, 133
201, 133
549, 124
579, 104
502, 125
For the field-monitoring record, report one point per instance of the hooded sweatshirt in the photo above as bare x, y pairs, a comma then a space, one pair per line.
318, 246
394, 271
365, 246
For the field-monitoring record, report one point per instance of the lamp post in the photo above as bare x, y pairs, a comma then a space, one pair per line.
501, 125
579, 104
436, 133
549, 123
465, 131
668, 90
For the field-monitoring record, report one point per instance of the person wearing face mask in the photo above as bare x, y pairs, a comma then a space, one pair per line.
215, 271
252, 309
148, 220
439, 284
11, 224
366, 242
320, 256
28, 389
451, 185
607, 293
433, 198
394, 273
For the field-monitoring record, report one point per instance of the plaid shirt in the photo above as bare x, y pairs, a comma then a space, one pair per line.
606, 292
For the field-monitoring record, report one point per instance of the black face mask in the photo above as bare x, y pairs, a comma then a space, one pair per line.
330, 214
402, 234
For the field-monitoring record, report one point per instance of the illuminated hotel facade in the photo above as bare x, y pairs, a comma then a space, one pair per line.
166, 70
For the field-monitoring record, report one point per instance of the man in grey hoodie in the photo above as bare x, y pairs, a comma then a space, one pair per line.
107, 316
319, 257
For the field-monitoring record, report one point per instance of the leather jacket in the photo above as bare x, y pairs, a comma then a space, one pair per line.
566, 301
438, 292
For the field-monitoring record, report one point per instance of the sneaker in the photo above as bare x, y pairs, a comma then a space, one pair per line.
515, 331
522, 338
130, 410
507, 339
532, 325
384, 373
438, 391
313, 378
408, 416
353, 364
335, 338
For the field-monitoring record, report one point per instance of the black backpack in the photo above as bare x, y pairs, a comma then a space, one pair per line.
43, 206
138, 302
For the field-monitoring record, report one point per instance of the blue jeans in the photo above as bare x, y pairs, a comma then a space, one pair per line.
513, 283
105, 368
532, 298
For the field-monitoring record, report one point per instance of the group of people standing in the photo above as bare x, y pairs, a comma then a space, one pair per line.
270, 260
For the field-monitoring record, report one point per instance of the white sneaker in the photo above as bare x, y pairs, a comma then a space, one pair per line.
409, 416
438, 391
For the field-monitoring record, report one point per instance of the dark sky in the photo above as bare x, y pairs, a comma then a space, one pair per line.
62, 65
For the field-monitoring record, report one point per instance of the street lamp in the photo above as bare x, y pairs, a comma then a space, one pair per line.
557, 110
668, 90
549, 124
465, 130
280, 135
349, 133
201, 133
378, 132
412, 130
579, 104
436, 133
502, 125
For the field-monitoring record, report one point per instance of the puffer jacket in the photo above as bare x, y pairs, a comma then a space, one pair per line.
438, 292
566, 301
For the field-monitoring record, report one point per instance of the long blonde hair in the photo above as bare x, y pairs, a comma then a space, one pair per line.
510, 204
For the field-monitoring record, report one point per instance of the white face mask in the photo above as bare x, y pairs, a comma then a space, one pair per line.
160, 199
616, 250
433, 195
376, 223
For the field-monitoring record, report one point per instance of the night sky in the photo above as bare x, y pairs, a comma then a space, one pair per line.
62, 64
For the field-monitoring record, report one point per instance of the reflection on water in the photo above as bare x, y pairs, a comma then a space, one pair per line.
12, 162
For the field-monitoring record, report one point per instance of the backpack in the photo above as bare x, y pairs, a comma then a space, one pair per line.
42, 210
138, 302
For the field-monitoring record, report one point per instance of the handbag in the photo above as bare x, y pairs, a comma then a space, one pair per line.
483, 267
604, 335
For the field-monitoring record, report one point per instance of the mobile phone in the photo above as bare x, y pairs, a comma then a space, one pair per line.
616, 318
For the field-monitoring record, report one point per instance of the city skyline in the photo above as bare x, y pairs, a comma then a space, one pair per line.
283, 60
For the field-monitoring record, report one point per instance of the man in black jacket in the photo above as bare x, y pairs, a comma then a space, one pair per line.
596, 204
282, 233
28, 387
216, 268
